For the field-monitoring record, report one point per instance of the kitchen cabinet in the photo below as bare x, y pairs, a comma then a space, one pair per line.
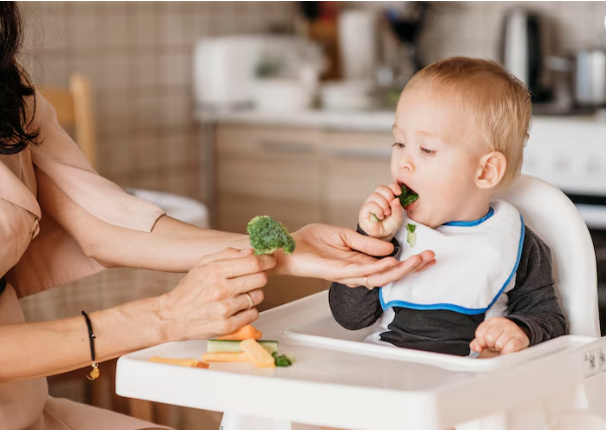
275, 172
355, 164
297, 176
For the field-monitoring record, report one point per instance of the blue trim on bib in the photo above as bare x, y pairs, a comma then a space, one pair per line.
457, 308
471, 223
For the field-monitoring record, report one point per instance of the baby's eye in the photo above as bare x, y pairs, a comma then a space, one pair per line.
427, 151
398, 145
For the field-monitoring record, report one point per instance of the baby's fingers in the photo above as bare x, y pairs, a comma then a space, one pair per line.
395, 188
380, 200
370, 209
397, 211
386, 192
516, 343
475, 346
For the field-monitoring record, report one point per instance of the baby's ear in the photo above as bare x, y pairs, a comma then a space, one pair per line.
491, 169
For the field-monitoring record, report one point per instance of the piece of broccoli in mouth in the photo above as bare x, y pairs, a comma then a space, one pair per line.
268, 235
407, 197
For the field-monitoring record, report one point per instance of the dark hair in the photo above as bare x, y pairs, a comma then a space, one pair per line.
15, 85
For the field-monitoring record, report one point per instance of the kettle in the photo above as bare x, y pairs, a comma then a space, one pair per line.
523, 50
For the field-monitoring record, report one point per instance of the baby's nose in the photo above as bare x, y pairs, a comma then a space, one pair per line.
408, 164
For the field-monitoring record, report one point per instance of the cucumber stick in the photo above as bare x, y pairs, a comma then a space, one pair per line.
214, 345
411, 236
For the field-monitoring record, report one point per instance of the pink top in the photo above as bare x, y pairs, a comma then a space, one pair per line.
37, 253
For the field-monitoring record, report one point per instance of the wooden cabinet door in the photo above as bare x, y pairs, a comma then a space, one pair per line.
356, 164
275, 172
267, 171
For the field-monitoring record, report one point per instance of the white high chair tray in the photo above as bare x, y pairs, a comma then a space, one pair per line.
325, 332
427, 390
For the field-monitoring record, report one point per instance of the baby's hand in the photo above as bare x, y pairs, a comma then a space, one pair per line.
381, 214
501, 335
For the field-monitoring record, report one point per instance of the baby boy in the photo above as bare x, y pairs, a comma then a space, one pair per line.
460, 128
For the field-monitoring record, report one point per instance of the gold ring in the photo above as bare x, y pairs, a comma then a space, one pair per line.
250, 301
366, 283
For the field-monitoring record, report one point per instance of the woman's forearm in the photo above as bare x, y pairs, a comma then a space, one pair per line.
172, 246
34, 350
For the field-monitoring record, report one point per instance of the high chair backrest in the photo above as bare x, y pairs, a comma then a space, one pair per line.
555, 219
74, 109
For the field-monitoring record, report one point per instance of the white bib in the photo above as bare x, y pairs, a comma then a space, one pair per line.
476, 262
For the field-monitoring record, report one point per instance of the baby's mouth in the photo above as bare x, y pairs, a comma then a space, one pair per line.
408, 196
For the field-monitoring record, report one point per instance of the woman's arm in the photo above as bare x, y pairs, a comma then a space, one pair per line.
332, 253
209, 301
172, 246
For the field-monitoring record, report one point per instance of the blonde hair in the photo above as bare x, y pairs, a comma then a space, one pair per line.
498, 103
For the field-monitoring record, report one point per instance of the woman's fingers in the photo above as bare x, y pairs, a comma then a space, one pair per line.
234, 268
428, 261
241, 302
239, 320
226, 254
397, 272
245, 283
380, 278
365, 244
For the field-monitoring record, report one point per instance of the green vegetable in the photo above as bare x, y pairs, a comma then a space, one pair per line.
282, 360
291, 358
268, 235
215, 345
407, 198
411, 236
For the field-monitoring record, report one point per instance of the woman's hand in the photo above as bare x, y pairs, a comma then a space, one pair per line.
212, 299
382, 214
499, 335
341, 255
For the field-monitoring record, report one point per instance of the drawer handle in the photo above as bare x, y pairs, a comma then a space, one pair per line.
286, 147
357, 154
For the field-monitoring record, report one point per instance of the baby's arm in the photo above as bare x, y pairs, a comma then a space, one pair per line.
354, 308
359, 307
533, 313
532, 302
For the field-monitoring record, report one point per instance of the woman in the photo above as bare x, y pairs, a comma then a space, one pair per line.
60, 221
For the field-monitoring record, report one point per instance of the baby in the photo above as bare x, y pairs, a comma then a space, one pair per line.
459, 133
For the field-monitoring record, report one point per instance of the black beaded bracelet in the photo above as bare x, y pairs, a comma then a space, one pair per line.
94, 374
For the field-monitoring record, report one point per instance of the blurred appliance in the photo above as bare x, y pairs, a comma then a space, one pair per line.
524, 44
350, 95
358, 44
227, 70
590, 78
224, 69
407, 25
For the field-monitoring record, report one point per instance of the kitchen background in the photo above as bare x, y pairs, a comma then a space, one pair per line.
163, 125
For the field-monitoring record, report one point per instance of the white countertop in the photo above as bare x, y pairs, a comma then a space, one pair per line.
340, 120
372, 121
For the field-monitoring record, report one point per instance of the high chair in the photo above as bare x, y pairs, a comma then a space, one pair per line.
340, 381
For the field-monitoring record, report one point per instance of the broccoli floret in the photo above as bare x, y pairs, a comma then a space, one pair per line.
407, 197
268, 235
